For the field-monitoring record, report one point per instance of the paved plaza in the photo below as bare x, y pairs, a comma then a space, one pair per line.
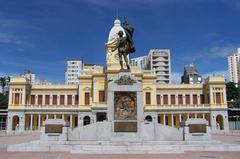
14, 139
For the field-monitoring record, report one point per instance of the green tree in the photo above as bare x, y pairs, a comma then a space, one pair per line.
3, 101
4, 81
232, 91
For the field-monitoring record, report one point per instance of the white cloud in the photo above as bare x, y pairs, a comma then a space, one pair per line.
176, 77
19, 43
6, 38
216, 50
9, 33
222, 50
232, 3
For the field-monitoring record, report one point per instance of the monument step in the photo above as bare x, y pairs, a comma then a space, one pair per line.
154, 148
124, 149
140, 142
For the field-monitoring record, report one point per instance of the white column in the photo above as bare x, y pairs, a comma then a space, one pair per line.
63, 116
161, 99
224, 96
80, 120
198, 99
187, 115
58, 99
73, 100
24, 97
195, 115
169, 99
31, 122
203, 116
94, 119
176, 99
51, 99
79, 93
65, 99
47, 116
211, 95
94, 91
71, 121
184, 99
172, 120
164, 119
155, 94
180, 117
9, 123
10, 98
39, 121
191, 99
43, 99
36, 99
21, 122
55, 116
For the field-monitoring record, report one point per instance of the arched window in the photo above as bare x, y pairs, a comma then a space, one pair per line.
86, 120
15, 122
219, 122
148, 118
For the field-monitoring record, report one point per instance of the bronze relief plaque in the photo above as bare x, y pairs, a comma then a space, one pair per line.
125, 126
53, 128
197, 128
125, 106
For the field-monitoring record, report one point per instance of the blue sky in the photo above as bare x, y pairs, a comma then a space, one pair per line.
40, 35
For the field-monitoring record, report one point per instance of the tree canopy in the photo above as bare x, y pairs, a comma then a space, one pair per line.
3, 101
232, 91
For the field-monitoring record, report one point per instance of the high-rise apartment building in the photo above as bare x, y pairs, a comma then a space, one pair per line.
159, 60
234, 67
74, 69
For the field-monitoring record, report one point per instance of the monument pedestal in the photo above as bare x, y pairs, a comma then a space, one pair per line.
196, 129
125, 108
54, 130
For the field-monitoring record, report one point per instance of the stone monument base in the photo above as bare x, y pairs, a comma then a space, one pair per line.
123, 147
98, 138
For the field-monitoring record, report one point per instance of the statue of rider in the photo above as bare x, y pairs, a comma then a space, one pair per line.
125, 44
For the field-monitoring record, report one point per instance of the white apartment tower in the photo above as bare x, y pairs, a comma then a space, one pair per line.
160, 63
234, 67
140, 62
74, 69
29, 76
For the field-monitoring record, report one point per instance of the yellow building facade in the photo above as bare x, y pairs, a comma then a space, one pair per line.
87, 102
